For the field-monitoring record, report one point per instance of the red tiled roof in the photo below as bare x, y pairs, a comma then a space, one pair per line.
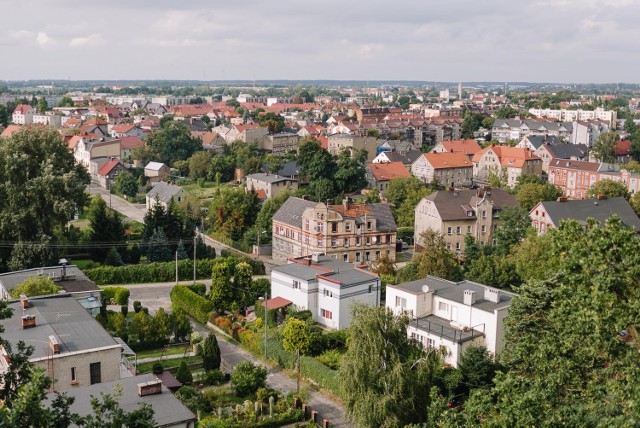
107, 167
22, 108
623, 148
10, 130
95, 121
508, 156
388, 170
130, 142
468, 147
447, 160
276, 303
261, 194
122, 128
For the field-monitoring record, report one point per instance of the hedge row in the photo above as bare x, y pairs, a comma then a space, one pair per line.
191, 303
198, 288
163, 272
120, 295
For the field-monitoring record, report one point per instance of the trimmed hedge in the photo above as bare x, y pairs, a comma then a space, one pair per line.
163, 272
198, 288
120, 295
191, 303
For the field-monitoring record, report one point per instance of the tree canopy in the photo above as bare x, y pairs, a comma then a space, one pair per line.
172, 142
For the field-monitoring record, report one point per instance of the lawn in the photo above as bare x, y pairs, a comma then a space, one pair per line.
174, 362
172, 350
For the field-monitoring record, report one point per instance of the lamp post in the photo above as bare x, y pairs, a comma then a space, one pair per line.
266, 324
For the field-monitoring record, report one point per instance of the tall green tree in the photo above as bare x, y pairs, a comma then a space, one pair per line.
604, 149
436, 259
233, 211
385, 376
350, 172
221, 293
211, 357
471, 123
608, 188
159, 248
106, 228
529, 194
296, 336
173, 142
126, 184
404, 194
513, 227
180, 325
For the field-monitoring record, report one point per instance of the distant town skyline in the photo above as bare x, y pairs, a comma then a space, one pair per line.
576, 41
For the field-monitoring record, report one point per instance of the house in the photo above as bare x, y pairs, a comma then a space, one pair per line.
353, 233
516, 129
575, 178
466, 147
380, 174
108, 173
457, 213
548, 214
289, 169
608, 116
547, 152
23, 114
168, 411
326, 287
534, 142
71, 347
156, 171
280, 143
162, 193
127, 144
508, 163
447, 169
339, 142
126, 130
452, 316
623, 151
269, 184
89, 147
407, 158
68, 277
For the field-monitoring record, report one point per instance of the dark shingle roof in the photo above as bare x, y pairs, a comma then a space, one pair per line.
599, 209
384, 217
164, 191
291, 211
567, 151
450, 203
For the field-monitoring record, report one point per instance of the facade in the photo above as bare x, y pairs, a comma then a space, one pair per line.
89, 148
563, 115
339, 142
466, 147
451, 316
508, 163
516, 129
326, 287
280, 143
23, 114
269, 185
548, 214
69, 344
548, 152
447, 169
163, 193
575, 178
379, 175
353, 233
108, 173
458, 213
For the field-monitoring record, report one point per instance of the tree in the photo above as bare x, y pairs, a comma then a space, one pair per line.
242, 282
494, 270
604, 149
506, 113
314, 161
35, 286
200, 164
471, 123
247, 378
106, 228
404, 194
384, 374
350, 173
608, 188
41, 185
65, 101
513, 227
211, 357
295, 335
159, 248
180, 325
182, 253
530, 194
572, 336
43, 106
436, 259
373, 197
126, 184
221, 292
33, 254
232, 211
141, 327
160, 327
477, 367
113, 258
172, 142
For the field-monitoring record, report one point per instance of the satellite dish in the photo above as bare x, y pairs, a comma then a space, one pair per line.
425, 288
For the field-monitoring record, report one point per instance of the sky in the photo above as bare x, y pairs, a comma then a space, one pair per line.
564, 41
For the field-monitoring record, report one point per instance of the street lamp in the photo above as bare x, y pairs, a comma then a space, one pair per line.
266, 324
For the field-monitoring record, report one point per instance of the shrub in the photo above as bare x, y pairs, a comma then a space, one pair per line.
304, 315
157, 368
335, 339
247, 378
193, 304
248, 339
109, 293
183, 374
198, 288
330, 358
122, 296
213, 377
211, 357
124, 310
137, 306
35, 286
224, 324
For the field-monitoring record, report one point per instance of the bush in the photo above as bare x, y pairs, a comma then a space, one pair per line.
335, 339
224, 324
247, 378
198, 288
330, 358
191, 303
157, 368
164, 272
122, 296
124, 310
183, 374
213, 377
137, 306
304, 315
248, 338
211, 358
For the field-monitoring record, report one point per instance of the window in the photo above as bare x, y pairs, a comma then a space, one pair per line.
442, 306
346, 242
370, 288
74, 375
368, 240
468, 229
95, 372
367, 255
449, 229
334, 243
357, 257
357, 241
327, 292
377, 255
345, 257
296, 285
369, 225
326, 314
347, 226
484, 214
401, 302
431, 343
458, 230
334, 227
484, 228
457, 245
319, 242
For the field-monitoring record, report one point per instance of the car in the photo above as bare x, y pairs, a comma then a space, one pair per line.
405, 246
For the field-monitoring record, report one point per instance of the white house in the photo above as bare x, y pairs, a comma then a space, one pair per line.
23, 114
452, 315
326, 287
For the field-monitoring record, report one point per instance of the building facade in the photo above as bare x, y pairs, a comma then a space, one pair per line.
507, 163
447, 169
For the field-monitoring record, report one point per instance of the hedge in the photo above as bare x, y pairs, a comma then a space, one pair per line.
120, 295
191, 303
198, 288
163, 272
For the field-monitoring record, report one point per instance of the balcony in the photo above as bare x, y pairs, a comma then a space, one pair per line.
443, 329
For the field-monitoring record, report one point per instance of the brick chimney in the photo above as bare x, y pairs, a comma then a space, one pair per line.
24, 301
28, 321
54, 344
153, 387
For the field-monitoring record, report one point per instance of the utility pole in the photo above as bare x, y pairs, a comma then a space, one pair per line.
266, 324
195, 241
298, 380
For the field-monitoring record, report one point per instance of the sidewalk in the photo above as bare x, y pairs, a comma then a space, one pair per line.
166, 357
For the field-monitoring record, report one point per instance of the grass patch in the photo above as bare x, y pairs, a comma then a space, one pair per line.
174, 362
172, 350
85, 263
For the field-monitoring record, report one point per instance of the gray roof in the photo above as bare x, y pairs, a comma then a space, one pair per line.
154, 166
408, 157
599, 209
268, 178
289, 169
450, 204
538, 140
75, 280
454, 291
62, 316
291, 211
164, 191
384, 217
568, 151
167, 409
539, 126
337, 270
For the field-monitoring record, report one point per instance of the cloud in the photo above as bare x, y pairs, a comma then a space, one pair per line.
87, 41
42, 39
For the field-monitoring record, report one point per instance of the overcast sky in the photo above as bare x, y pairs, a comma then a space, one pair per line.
448, 40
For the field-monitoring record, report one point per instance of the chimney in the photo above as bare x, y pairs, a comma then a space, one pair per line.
28, 321
24, 301
602, 197
153, 387
345, 203
469, 297
492, 295
54, 344
562, 199
315, 257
